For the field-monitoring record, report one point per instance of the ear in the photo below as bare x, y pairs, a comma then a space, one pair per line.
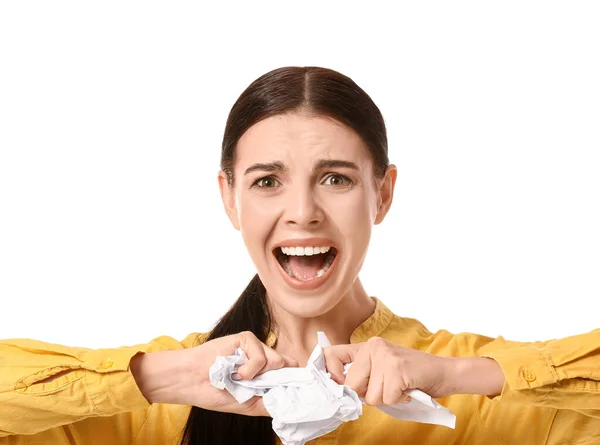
386, 192
228, 197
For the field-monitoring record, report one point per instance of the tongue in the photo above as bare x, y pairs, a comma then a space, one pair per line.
306, 267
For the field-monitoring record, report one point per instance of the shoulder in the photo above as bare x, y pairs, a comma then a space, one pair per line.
412, 333
384, 323
165, 342
408, 332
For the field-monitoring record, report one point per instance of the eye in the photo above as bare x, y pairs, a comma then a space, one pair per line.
337, 180
268, 182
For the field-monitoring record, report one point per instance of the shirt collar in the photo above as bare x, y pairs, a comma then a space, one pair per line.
271, 340
374, 325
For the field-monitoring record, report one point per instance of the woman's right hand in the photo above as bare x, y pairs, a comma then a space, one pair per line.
181, 376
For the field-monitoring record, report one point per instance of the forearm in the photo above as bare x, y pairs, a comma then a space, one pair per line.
477, 375
163, 377
562, 373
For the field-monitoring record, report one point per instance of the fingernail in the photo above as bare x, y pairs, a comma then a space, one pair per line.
236, 376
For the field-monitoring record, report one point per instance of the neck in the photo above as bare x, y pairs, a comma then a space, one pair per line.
296, 336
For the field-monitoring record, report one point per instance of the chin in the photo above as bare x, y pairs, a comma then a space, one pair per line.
306, 305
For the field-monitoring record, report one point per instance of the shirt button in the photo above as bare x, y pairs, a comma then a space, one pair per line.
107, 363
529, 375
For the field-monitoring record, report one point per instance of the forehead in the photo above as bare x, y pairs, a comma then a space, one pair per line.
295, 137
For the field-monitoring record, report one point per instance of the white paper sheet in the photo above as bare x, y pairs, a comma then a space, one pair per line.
306, 403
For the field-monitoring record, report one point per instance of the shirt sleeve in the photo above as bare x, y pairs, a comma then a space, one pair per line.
551, 390
562, 373
44, 385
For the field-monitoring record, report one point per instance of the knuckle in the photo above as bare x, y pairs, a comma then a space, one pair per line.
371, 399
376, 342
278, 362
392, 398
247, 334
261, 360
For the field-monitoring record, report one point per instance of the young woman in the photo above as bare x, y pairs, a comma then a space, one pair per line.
305, 177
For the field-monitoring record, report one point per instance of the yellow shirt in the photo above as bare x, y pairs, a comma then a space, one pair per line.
551, 395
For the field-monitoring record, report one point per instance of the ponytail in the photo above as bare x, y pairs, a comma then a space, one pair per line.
249, 313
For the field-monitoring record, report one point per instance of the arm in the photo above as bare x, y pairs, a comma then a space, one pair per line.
478, 372
44, 386
560, 374
552, 388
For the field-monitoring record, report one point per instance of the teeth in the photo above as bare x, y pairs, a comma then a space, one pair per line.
287, 268
320, 273
302, 251
308, 251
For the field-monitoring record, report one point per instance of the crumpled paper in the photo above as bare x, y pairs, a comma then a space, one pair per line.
306, 403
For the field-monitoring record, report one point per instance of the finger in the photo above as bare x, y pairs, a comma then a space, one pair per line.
374, 394
334, 366
257, 359
336, 369
360, 371
274, 360
338, 356
404, 398
392, 391
344, 353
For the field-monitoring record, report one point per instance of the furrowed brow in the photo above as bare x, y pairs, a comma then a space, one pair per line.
270, 167
334, 163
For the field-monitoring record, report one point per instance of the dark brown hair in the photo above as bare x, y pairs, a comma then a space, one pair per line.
319, 92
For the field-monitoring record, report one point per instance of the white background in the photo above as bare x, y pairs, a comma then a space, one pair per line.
111, 117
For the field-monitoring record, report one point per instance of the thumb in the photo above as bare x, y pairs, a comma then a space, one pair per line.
336, 357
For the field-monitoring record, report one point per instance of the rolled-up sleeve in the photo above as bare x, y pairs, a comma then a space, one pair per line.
562, 373
44, 385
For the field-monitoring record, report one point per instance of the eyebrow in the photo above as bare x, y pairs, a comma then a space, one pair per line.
268, 167
334, 163
278, 166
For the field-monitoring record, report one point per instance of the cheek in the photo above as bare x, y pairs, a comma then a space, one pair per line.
256, 219
353, 214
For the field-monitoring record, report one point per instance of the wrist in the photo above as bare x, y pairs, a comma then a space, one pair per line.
477, 375
162, 376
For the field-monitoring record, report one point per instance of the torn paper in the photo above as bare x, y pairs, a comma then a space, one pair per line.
306, 403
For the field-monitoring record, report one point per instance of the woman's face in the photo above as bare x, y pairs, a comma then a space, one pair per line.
305, 200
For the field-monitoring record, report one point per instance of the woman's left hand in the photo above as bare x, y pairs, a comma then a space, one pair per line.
382, 371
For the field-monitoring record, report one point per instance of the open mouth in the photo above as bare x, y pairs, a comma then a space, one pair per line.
305, 263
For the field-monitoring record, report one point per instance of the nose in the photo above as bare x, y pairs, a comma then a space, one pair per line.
302, 208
